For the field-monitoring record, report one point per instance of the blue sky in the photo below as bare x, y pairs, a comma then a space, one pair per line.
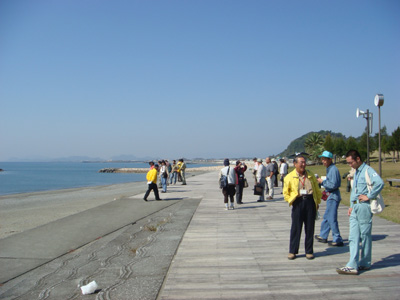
191, 78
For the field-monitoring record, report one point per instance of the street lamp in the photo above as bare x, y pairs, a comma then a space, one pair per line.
368, 116
379, 102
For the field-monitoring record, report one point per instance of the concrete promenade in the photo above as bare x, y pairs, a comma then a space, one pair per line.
190, 247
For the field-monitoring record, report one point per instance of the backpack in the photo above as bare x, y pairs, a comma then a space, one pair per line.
223, 181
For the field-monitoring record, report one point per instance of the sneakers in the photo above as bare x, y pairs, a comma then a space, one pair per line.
291, 256
338, 244
347, 271
227, 207
269, 198
310, 256
361, 268
320, 239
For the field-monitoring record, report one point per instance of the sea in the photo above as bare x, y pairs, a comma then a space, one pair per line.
27, 177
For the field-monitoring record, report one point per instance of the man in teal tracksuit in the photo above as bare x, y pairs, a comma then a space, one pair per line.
360, 215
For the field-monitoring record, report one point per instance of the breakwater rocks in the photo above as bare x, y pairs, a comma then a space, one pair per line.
123, 170
145, 170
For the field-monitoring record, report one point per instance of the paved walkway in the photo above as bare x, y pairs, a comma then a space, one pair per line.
242, 254
201, 252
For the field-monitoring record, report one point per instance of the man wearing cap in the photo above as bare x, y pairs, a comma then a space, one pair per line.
152, 181
360, 236
331, 185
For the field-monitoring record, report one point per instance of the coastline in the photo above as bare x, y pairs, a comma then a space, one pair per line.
24, 211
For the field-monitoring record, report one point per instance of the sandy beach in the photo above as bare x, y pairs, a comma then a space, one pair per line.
20, 212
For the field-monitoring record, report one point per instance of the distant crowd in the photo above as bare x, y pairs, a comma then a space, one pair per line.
162, 174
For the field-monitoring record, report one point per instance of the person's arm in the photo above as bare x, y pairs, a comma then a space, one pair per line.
332, 181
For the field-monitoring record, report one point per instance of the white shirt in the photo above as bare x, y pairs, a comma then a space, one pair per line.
283, 169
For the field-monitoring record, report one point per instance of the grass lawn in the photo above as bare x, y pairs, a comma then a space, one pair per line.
391, 194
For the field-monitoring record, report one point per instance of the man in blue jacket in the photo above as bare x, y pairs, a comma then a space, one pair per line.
331, 185
360, 215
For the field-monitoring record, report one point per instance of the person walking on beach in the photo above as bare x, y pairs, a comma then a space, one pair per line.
360, 236
182, 168
163, 176
302, 192
152, 181
270, 170
260, 178
229, 190
174, 172
331, 185
239, 170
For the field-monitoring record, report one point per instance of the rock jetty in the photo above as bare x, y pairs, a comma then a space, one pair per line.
145, 170
123, 170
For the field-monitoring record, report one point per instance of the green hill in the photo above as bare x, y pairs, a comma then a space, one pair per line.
297, 145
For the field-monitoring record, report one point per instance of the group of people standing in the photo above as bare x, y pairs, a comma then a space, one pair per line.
165, 173
302, 191
236, 182
266, 176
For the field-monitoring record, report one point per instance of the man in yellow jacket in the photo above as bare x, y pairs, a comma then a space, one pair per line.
152, 181
302, 192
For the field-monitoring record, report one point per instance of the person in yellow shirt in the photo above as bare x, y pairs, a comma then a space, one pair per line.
302, 192
152, 181
182, 168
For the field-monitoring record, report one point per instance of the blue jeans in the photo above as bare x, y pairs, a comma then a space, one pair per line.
360, 231
172, 175
164, 184
330, 221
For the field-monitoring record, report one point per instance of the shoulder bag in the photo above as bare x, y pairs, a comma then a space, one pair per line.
377, 205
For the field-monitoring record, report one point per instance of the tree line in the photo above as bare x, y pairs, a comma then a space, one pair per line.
315, 144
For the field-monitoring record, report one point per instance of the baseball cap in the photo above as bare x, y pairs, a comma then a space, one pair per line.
326, 154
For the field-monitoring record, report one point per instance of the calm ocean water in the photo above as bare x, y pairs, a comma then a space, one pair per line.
25, 177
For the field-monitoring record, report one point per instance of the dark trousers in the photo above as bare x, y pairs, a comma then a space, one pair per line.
229, 191
303, 211
152, 186
239, 191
